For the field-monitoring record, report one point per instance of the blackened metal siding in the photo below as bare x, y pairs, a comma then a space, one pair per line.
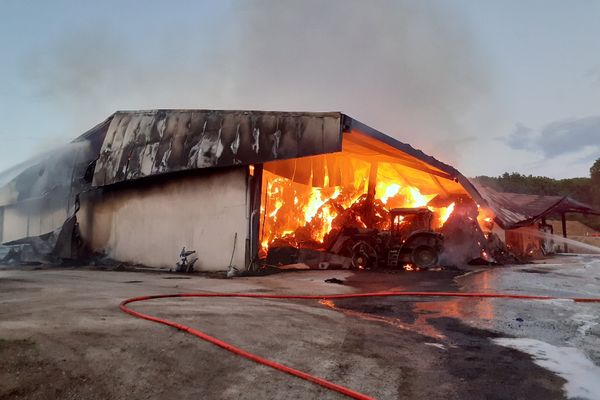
145, 143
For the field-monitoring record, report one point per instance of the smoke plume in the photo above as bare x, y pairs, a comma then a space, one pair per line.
408, 68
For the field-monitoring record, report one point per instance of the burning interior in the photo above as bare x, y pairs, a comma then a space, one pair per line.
339, 201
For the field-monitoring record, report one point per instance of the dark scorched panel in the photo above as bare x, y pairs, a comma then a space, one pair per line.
146, 143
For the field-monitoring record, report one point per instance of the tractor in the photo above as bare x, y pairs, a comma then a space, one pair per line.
410, 240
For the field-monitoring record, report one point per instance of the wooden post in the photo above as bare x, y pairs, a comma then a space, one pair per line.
255, 190
372, 181
564, 229
371, 193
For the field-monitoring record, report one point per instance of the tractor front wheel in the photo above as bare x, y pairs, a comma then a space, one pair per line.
424, 257
364, 256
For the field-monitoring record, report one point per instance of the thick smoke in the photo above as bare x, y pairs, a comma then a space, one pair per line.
408, 68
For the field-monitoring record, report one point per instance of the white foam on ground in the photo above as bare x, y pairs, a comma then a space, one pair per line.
562, 303
586, 322
581, 374
438, 345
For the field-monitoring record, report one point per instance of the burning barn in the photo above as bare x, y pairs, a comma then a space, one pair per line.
240, 188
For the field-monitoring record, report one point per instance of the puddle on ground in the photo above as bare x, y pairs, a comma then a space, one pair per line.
419, 312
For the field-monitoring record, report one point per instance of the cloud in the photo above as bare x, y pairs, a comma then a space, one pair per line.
593, 74
570, 136
521, 138
563, 137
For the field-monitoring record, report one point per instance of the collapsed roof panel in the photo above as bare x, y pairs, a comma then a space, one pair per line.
58, 173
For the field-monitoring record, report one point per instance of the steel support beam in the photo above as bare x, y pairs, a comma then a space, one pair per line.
564, 230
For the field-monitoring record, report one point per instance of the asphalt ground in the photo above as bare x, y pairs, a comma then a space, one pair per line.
63, 336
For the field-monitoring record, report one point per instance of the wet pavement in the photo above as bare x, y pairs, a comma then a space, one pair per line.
64, 326
472, 334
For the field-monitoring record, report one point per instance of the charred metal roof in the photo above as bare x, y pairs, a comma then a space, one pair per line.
515, 210
146, 143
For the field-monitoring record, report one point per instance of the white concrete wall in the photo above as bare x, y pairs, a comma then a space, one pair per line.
20, 222
149, 225
15, 224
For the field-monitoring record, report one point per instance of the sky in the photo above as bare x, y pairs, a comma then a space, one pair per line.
487, 86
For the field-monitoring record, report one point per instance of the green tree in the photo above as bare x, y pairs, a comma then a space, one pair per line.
595, 172
595, 184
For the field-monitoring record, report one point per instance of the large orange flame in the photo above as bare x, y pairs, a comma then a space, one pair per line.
303, 216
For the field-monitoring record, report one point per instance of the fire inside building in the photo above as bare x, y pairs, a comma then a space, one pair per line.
244, 189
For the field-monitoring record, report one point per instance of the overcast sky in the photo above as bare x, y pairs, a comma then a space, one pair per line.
488, 86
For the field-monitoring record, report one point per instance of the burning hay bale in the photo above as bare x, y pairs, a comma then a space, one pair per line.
464, 240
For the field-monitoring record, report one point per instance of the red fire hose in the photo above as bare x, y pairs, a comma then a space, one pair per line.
319, 381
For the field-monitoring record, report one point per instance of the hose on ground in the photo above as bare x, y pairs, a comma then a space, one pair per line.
292, 371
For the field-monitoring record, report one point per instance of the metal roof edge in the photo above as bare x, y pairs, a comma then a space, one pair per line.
348, 123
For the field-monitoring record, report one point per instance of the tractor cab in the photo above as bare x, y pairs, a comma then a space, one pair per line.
406, 221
